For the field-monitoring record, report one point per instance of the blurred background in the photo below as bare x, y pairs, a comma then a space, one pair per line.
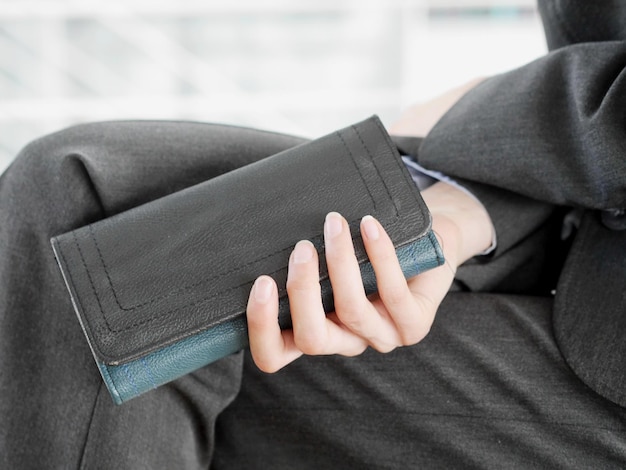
304, 67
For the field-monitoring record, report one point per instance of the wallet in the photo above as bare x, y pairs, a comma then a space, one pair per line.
161, 290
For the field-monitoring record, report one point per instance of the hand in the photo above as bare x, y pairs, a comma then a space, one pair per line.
402, 312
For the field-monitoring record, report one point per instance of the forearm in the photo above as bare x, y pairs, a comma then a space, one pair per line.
551, 130
461, 219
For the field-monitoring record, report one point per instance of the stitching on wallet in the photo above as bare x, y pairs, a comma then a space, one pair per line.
392, 224
358, 134
182, 290
71, 279
357, 166
84, 263
281, 293
407, 177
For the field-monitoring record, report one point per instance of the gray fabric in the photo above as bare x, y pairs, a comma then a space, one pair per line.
573, 21
590, 308
553, 131
55, 413
487, 389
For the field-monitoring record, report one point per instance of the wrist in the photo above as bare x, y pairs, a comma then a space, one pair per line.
460, 220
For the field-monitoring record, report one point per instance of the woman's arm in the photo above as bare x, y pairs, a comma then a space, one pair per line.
553, 130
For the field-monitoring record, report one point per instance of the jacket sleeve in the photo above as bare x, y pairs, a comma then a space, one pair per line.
551, 133
553, 130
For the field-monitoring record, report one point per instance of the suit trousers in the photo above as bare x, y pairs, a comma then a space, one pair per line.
487, 388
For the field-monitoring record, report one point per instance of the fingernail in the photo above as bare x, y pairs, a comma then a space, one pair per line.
370, 227
333, 225
303, 252
263, 288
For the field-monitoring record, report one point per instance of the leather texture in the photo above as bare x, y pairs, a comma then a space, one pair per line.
161, 289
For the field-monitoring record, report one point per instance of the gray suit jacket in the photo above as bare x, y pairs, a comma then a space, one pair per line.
552, 135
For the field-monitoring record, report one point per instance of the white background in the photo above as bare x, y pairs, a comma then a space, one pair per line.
302, 66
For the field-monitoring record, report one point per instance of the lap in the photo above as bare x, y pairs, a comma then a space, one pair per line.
487, 389
54, 411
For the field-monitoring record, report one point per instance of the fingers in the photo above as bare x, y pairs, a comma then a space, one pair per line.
271, 348
406, 314
401, 314
313, 332
429, 288
352, 306
310, 327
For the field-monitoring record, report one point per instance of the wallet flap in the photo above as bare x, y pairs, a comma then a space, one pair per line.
166, 270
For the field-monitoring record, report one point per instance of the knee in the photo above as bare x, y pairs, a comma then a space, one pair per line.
47, 181
40, 157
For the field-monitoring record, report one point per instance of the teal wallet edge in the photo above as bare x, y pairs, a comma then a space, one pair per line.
131, 379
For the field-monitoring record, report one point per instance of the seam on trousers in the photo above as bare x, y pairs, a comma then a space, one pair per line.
81, 464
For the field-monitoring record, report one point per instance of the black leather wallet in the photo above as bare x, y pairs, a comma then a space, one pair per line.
161, 290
